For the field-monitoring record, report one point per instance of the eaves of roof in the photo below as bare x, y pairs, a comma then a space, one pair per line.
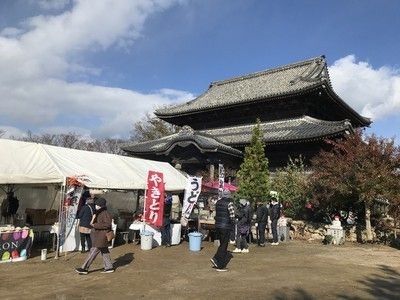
185, 137
224, 140
294, 130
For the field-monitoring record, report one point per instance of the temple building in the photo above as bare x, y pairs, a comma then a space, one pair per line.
296, 105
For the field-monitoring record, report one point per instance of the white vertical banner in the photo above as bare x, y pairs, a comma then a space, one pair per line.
192, 192
69, 236
221, 180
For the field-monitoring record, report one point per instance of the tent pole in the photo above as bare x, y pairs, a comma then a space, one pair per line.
60, 214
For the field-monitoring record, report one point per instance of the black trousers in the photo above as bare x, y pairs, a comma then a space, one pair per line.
222, 256
166, 234
274, 229
85, 237
261, 232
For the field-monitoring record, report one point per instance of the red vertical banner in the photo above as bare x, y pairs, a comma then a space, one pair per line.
154, 207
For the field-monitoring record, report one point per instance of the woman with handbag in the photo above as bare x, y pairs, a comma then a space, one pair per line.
101, 224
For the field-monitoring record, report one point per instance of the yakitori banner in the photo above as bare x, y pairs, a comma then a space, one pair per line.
154, 204
192, 192
15, 245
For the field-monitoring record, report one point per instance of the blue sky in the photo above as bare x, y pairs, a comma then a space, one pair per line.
96, 67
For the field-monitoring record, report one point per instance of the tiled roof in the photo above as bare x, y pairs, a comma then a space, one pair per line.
289, 79
282, 131
224, 139
183, 138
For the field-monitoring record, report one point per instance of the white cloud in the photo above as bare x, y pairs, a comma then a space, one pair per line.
374, 93
37, 56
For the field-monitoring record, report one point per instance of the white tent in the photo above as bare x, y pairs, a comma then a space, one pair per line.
27, 164
30, 163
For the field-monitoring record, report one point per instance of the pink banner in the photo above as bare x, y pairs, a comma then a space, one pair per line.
154, 207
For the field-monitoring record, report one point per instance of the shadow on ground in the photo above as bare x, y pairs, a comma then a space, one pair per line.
296, 294
380, 286
123, 260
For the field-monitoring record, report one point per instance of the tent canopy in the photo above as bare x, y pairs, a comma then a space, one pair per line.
31, 163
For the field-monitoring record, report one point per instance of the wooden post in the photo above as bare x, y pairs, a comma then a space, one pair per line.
212, 170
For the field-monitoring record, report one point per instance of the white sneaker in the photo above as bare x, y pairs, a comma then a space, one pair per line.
245, 250
237, 250
275, 244
221, 270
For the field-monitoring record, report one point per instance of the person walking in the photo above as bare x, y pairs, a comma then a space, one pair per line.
101, 224
224, 220
243, 227
275, 213
85, 216
261, 222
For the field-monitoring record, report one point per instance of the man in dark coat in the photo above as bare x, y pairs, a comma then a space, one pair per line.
224, 220
261, 222
101, 224
166, 226
275, 213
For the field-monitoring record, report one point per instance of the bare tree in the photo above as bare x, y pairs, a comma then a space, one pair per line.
76, 141
151, 128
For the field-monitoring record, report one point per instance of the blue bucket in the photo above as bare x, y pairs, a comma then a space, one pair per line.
195, 241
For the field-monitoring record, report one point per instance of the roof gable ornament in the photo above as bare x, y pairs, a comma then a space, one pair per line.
315, 72
186, 130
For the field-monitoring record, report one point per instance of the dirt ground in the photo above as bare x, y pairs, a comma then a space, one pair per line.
293, 270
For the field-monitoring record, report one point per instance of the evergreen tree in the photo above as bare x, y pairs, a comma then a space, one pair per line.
253, 175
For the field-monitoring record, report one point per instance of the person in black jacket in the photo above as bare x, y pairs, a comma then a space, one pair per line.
275, 213
224, 221
85, 215
166, 226
261, 222
243, 226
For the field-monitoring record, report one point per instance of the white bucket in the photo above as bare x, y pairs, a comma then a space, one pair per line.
43, 255
146, 240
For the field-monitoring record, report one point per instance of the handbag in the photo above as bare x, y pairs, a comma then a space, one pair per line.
110, 235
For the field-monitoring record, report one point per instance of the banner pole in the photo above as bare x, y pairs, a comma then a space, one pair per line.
144, 209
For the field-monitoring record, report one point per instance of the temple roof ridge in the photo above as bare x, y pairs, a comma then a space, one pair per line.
320, 59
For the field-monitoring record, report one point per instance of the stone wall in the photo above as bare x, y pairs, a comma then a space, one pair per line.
303, 230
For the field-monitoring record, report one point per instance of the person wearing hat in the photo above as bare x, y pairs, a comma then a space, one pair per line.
243, 227
224, 221
101, 223
275, 213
